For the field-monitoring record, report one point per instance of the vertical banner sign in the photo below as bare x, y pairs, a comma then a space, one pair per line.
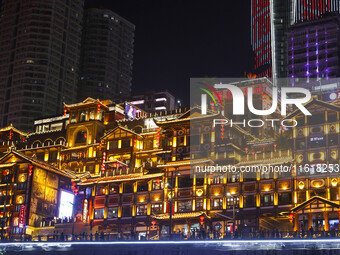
22, 215
85, 209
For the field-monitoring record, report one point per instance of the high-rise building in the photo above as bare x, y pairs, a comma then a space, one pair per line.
270, 22
312, 9
39, 58
155, 101
261, 37
106, 58
313, 49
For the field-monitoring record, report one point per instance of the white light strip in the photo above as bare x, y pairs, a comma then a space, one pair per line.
230, 242
160, 99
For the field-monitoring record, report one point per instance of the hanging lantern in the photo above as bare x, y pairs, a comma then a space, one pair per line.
10, 135
246, 150
153, 223
30, 169
253, 152
291, 217
65, 112
212, 106
100, 145
98, 107
275, 146
23, 139
201, 220
222, 131
103, 160
158, 136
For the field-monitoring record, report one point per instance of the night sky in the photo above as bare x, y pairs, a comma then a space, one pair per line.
176, 40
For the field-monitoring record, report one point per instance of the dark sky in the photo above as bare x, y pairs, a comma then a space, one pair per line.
179, 39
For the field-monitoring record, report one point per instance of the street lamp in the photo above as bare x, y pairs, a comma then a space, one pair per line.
229, 195
75, 191
171, 200
5, 173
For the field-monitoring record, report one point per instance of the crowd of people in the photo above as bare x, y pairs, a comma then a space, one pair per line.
195, 234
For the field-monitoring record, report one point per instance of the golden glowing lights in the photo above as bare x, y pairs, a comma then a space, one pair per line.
318, 183
334, 182
199, 192
301, 184
20, 199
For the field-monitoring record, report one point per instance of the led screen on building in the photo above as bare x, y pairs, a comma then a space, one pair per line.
66, 204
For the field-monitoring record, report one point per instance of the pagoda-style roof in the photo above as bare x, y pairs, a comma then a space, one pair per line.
35, 162
266, 161
120, 178
194, 114
88, 102
13, 129
119, 127
314, 102
185, 163
312, 200
166, 216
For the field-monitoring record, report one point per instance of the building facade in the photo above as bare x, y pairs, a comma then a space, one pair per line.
106, 56
131, 174
313, 50
40, 49
155, 101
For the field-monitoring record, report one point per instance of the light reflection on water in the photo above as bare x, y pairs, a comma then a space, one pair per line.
197, 247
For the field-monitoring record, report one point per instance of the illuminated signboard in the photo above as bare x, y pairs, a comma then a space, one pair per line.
66, 204
85, 209
22, 215
130, 111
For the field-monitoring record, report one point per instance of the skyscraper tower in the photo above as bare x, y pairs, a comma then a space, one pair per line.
39, 58
107, 54
261, 37
313, 51
312, 9
270, 22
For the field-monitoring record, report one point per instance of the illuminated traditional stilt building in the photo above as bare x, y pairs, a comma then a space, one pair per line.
128, 168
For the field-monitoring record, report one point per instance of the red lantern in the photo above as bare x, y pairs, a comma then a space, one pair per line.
65, 112
275, 145
30, 169
5, 173
212, 106
158, 136
201, 220
98, 107
246, 149
291, 217
153, 223
100, 145
222, 131
10, 135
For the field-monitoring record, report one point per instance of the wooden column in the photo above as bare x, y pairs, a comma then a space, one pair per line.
325, 216
296, 222
310, 215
